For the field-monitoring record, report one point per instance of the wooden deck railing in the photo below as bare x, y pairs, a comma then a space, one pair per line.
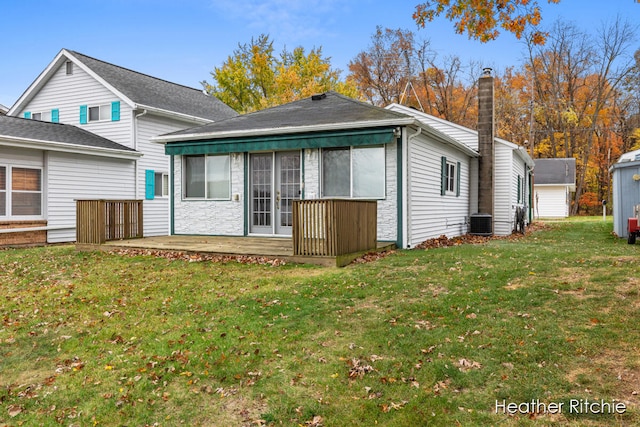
98, 221
334, 227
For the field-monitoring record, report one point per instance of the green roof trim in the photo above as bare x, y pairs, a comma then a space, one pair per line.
353, 137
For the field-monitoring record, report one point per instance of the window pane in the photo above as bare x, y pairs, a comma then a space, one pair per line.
335, 172
3, 178
157, 185
105, 112
217, 177
36, 116
3, 203
165, 185
23, 179
25, 203
94, 114
368, 172
194, 176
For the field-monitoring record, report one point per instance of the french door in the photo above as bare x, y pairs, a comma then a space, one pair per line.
274, 185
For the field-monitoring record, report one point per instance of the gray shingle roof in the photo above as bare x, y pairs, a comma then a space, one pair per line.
555, 171
157, 93
331, 109
35, 130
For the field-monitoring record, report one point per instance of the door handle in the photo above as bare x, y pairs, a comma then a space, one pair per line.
278, 200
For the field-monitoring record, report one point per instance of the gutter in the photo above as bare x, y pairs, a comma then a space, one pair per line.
173, 115
135, 147
11, 141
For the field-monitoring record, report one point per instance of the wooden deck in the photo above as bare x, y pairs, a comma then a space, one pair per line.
269, 247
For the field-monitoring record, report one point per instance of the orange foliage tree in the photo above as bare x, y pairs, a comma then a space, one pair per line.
481, 19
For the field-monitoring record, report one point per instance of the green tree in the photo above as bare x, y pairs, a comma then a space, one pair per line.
254, 77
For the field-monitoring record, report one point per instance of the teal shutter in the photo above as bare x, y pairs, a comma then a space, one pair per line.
83, 114
149, 184
55, 116
115, 111
443, 176
458, 179
27, 114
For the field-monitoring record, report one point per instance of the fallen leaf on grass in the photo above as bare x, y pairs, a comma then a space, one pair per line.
315, 422
466, 365
14, 410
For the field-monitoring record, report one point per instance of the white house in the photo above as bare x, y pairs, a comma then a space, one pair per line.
123, 106
43, 166
512, 170
626, 190
555, 180
239, 176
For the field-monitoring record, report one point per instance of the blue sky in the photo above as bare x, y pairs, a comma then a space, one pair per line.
182, 41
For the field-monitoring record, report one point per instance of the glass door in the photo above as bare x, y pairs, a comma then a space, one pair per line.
274, 185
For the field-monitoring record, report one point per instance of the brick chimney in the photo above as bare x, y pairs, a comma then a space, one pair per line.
486, 144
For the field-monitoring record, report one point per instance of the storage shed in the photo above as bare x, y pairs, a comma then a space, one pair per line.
626, 190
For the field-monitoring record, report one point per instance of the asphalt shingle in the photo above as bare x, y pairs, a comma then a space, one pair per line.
35, 130
157, 93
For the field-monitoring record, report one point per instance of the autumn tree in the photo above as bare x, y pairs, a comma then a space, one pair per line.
381, 73
577, 79
481, 19
254, 77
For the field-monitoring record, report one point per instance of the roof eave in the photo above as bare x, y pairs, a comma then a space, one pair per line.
163, 139
173, 114
11, 141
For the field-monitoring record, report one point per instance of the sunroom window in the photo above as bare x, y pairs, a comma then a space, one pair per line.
355, 172
207, 177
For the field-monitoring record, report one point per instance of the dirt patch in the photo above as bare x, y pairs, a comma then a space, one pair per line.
612, 370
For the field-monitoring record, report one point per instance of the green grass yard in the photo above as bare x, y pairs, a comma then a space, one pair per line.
424, 337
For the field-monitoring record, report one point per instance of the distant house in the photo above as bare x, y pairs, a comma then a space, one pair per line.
512, 170
555, 180
120, 105
44, 166
626, 190
239, 176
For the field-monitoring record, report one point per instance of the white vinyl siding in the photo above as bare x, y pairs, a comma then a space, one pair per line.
67, 93
156, 211
78, 176
430, 213
505, 193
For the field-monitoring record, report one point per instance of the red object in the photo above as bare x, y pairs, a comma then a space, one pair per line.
633, 225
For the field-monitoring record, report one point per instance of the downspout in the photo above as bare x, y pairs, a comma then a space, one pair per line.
406, 209
135, 147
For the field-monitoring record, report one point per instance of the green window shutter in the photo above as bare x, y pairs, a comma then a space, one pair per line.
149, 184
443, 176
83, 114
115, 111
55, 116
27, 114
458, 179
519, 189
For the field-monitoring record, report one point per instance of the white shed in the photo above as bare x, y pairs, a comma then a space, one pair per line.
555, 180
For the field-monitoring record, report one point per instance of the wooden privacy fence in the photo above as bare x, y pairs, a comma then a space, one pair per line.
334, 227
98, 221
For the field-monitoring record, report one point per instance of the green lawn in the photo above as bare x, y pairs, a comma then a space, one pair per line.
439, 337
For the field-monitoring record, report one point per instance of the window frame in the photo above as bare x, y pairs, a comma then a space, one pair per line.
43, 116
164, 185
8, 192
351, 149
100, 108
184, 177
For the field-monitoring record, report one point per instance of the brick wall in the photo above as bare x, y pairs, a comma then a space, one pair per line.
23, 238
